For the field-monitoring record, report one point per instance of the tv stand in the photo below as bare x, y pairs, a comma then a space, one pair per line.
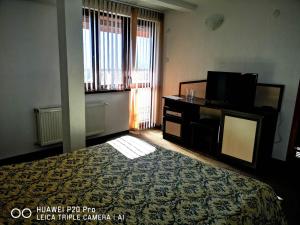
244, 137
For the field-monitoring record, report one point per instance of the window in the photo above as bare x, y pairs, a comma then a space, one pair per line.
87, 50
121, 50
143, 55
105, 40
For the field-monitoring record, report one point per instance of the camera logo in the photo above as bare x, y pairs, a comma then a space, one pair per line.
17, 213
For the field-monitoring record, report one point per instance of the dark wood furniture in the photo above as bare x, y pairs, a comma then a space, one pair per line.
178, 113
246, 138
249, 143
204, 135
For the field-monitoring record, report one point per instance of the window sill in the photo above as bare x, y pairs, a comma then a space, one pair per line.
105, 91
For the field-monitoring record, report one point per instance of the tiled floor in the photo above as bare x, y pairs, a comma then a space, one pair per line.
283, 181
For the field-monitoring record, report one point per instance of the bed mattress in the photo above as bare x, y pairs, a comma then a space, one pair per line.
163, 187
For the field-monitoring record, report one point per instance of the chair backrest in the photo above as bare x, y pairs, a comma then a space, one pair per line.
269, 95
199, 87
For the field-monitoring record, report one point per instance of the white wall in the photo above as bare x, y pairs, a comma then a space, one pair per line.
116, 111
29, 70
29, 74
250, 40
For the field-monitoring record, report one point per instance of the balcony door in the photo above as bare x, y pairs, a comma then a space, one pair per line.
144, 76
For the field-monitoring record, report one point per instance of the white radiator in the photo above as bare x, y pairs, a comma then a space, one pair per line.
49, 122
49, 125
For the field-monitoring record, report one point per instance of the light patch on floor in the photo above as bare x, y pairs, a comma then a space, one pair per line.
155, 136
131, 147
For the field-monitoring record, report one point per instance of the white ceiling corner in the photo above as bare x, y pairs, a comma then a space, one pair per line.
165, 5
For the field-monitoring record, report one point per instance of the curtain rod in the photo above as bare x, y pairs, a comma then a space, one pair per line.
136, 6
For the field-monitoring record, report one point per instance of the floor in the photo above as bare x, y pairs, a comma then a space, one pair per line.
282, 179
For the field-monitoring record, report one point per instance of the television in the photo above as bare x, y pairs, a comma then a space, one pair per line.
232, 89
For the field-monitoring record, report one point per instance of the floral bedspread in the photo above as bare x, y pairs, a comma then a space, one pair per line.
163, 187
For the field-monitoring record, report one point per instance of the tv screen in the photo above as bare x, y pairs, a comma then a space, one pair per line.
245, 89
231, 89
219, 86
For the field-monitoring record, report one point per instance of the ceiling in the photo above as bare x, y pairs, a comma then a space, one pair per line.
165, 5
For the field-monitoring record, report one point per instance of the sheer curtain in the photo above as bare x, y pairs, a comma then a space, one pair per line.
145, 69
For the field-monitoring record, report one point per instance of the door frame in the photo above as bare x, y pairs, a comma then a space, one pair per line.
295, 128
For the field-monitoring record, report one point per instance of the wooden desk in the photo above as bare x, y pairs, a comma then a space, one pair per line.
245, 136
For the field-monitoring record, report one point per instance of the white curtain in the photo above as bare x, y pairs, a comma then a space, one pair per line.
145, 71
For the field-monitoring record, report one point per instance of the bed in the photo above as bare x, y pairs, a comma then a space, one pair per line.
160, 187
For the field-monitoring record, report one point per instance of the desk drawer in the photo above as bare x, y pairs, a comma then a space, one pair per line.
173, 129
169, 112
173, 113
181, 110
